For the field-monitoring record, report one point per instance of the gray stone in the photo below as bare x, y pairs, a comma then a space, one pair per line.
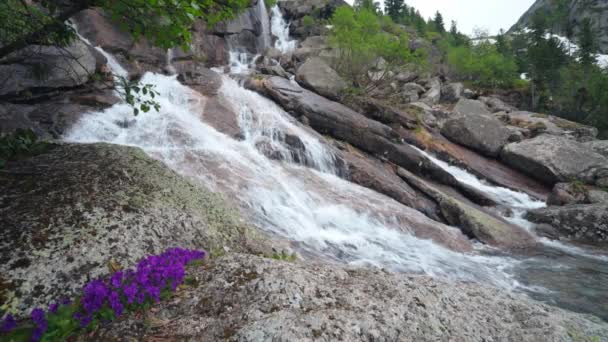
410, 92
579, 222
599, 146
481, 133
466, 107
452, 92
250, 298
497, 105
316, 75
554, 159
67, 213
433, 95
44, 67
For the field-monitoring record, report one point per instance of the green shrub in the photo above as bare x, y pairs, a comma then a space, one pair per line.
20, 144
308, 21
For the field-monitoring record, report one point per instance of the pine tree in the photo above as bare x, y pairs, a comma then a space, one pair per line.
438, 22
394, 9
369, 5
587, 45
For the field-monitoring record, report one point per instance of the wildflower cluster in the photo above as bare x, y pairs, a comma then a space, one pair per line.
103, 300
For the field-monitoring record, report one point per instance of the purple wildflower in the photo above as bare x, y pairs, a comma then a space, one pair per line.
39, 318
53, 308
130, 292
116, 279
116, 304
8, 324
95, 294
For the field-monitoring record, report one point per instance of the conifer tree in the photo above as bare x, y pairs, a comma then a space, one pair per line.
438, 22
394, 9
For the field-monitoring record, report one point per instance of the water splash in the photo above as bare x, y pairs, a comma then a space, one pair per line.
265, 38
280, 29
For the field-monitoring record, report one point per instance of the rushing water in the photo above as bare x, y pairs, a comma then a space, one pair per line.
556, 272
301, 198
280, 29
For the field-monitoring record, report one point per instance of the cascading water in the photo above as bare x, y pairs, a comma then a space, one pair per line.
301, 199
280, 29
570, 276
265, 40
322, 213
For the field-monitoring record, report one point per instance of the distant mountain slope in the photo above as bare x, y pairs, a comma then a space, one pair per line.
575, 12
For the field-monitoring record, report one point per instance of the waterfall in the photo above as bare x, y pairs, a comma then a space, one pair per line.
518, 202
265, 39
324, 215
280, 29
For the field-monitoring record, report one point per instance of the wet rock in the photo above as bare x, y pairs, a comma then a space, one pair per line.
75, 208
466, 107
316, 75
473, 221
199, 78
221, 116
39, 68
481, 133
579, 222
368, 172
341, 122
100, 100
554, 159
484, 167
452, 92
248, 298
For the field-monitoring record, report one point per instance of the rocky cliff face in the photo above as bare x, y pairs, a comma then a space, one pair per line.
578, 10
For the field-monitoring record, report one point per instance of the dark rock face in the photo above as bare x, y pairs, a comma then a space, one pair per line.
596, 10
75, 208
43, 67
247, 298
316, 75
481, 133
555, 159
581, 222
452, 92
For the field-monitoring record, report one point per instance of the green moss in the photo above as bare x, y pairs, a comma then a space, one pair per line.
283, 256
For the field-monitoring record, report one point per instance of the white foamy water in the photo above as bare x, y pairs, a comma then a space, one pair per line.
518, 202
323, 214
280, 29
265, 38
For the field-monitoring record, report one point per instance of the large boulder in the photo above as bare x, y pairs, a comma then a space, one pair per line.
482, 133
554, 159
70, 212
316, 75
497, 105
473, 221
249, 298
580, 222
47, 67
466, 107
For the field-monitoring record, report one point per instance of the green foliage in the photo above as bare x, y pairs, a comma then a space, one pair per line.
137, 95
368, 5
368, 54
270, 3
20, 144
438, 23
483, 65
308, 21
284, 256
394, 9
